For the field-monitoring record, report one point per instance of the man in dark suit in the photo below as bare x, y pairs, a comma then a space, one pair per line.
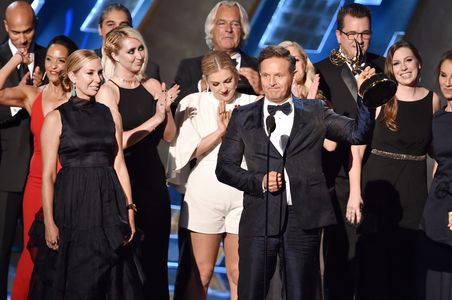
339, 86
114, 15
15, 137
298, 199
226, 27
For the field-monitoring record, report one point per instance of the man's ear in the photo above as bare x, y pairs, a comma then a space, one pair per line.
5, 23
338, 36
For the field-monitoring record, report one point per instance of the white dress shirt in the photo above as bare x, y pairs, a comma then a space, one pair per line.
238, 59
280, 136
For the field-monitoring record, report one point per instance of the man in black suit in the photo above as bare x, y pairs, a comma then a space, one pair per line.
15, 137
298, 199
339, 86
112, 16
226, 27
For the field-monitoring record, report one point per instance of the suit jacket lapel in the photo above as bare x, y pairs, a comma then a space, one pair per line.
6, 55
298, 124
350, 81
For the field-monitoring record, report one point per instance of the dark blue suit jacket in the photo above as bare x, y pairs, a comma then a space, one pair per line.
246, 137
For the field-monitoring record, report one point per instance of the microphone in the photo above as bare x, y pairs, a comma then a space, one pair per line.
270, 124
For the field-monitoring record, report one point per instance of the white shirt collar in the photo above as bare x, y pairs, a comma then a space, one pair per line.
238, 58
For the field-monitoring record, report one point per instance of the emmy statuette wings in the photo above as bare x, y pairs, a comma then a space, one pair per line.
376, 90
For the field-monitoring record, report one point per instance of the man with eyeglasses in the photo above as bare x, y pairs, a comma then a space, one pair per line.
339, 86
226, 27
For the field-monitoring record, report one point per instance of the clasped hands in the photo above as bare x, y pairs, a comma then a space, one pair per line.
166, 98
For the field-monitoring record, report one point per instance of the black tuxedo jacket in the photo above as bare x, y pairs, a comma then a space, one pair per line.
339, 86
246, 137
153, 68
15, 136
189, 73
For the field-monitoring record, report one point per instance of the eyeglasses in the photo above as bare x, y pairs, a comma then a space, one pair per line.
353, 35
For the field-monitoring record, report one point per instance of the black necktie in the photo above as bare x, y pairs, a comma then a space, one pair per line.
23, 69
285, 108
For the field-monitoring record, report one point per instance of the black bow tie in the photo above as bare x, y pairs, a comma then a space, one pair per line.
286, 108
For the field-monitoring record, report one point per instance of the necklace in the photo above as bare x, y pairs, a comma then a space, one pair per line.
127, 81
448, 107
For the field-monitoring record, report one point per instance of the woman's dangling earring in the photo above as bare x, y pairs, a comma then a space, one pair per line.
73, 93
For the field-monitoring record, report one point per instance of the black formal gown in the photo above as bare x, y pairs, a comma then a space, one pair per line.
90, 213
149, 191
437, 245
394, 194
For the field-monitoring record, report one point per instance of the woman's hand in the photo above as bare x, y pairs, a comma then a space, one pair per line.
172, 93
132, 226
161, 105
314, 88
52, 236
223, 118
353, 213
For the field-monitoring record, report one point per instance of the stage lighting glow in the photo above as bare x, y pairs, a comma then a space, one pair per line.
137, 8
369, 2
36, 5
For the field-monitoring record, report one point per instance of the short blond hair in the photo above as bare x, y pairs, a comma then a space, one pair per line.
74, 63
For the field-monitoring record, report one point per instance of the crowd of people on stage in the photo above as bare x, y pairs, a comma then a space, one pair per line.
311, 193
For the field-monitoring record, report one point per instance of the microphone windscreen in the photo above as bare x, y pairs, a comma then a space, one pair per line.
270, 123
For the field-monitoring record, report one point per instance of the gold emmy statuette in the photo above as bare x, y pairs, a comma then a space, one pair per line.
376, 90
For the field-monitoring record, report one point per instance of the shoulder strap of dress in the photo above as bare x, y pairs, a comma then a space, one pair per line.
114, 83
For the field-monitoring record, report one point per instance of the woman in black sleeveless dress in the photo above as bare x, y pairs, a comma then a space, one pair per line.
437, 221
145, 123
88, 214
394, 182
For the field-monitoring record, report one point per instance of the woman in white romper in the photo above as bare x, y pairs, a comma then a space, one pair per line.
210, 210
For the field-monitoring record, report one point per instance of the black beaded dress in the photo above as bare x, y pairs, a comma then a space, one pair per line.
394, 192
437, 242
149, 190
90, 213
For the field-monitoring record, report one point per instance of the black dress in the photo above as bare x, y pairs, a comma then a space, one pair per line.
149, 190
437, 244
394, 194
90, 213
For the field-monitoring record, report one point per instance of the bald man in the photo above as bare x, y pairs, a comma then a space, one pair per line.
15, 137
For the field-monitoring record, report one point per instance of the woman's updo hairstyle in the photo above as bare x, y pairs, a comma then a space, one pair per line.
113, 43
215, 61
74, 63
